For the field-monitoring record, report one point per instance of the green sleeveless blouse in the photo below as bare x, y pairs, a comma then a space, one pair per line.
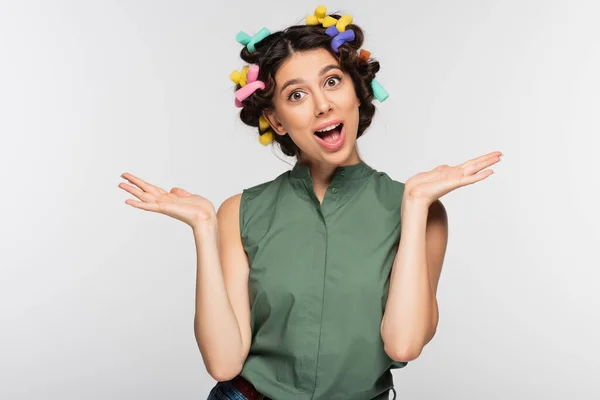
318, 283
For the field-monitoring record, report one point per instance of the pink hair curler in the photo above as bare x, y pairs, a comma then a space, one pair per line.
243, 93
252, 73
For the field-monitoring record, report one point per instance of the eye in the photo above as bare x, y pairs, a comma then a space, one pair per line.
293, 97
333, 79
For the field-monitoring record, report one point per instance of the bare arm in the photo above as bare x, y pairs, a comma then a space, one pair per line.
222, 319
411, 313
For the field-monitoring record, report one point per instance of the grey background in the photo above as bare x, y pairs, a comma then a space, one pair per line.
97, 297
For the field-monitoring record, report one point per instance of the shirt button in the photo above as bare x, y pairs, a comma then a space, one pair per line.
342, 172
334, 190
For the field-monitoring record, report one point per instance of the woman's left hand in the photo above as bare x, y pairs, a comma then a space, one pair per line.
431, 185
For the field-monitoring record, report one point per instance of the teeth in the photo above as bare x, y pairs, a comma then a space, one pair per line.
328, 128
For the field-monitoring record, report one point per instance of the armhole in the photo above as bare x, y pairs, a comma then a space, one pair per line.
398, 364
242, 218
401, 199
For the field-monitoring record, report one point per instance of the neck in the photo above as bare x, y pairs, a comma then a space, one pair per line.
322, 171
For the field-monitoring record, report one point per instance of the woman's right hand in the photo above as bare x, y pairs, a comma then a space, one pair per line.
192, 209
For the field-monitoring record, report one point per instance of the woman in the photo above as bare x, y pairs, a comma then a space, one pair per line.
314, 285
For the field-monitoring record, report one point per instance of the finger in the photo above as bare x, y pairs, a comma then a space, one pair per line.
477, 160
145, 186
473, 168
180, 192
481, 158
485, 163
142, 205
135, 191
468, 180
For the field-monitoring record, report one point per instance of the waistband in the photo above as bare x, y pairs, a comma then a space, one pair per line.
247, 389
250, 392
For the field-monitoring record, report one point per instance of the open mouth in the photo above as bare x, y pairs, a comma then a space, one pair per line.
332, 131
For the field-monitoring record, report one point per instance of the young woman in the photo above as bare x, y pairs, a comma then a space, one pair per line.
316, 284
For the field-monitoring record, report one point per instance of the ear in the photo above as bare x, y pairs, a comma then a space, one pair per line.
274, 122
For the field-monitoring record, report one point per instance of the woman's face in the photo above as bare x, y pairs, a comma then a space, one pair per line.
312, 93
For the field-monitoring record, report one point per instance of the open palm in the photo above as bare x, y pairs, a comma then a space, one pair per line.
431, 185
178, 203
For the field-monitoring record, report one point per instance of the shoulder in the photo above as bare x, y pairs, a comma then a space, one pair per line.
264, 190
388, 188
236, 209
386, 184
232, 206
228, 212
385, 180
257, 190
234, 201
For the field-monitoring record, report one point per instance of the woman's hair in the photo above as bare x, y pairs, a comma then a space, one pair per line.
272, 51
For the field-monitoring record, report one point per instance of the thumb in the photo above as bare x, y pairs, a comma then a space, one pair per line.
180, 192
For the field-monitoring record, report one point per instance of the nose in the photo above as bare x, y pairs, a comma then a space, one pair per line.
322, 103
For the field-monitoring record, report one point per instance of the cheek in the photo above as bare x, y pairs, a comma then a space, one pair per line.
349, 98
351, 104
299, 116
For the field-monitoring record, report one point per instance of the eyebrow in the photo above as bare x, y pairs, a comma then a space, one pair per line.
298, 80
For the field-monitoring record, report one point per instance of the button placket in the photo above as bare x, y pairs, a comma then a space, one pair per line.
335, 189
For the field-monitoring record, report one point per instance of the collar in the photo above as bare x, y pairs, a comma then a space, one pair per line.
341, 173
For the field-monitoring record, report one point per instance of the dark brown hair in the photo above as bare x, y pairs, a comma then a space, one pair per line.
271, 52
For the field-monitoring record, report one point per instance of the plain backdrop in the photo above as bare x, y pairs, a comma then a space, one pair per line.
97, 297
